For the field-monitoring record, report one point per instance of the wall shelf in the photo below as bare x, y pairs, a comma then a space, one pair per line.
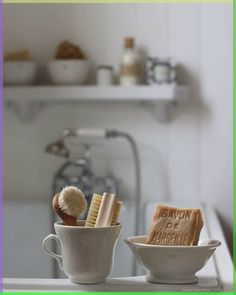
27, 100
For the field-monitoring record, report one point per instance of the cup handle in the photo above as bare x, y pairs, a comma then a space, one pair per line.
54, 255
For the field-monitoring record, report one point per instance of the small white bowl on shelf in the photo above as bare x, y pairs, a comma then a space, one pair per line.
19, 72
68, 72
171, 264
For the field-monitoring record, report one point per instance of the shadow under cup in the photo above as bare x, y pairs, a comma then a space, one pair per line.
86, 252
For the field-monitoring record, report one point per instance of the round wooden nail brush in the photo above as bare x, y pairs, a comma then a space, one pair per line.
69, 204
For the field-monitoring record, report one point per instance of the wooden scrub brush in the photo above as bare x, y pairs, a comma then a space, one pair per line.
104, 210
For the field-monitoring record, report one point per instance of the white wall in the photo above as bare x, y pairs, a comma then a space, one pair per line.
189, 157
216, 117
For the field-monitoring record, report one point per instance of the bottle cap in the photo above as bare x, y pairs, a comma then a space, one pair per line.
129, 42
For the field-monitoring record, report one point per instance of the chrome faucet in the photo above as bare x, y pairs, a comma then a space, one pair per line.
78, 172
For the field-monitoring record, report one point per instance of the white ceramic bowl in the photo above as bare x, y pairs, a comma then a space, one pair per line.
19, 72
68, 72
171, 264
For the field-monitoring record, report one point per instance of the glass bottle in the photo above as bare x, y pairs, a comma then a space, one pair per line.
129, 69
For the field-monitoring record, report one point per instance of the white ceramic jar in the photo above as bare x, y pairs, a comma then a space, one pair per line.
104, 75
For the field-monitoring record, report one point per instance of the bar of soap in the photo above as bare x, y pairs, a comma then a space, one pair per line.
175, 226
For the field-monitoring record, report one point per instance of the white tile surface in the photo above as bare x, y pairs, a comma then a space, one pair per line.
26, 224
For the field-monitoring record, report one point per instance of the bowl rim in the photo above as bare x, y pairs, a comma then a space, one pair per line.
70, 60
215, 243
33, 62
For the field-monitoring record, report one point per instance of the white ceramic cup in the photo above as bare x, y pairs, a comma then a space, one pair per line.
86, 252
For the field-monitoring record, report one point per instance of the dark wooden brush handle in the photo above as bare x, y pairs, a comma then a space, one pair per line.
67, 219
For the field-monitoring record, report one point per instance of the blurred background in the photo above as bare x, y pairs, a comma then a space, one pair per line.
188, 157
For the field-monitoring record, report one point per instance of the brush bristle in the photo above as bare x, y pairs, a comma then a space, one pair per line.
72, 201
116, 213
93, 210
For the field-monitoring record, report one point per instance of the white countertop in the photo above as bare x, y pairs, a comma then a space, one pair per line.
128, 284
217, 274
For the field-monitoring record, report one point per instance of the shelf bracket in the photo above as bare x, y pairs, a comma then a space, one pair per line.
160, 110
25, 110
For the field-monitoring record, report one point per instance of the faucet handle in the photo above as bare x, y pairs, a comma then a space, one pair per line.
87, 152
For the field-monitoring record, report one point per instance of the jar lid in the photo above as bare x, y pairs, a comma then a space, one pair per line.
105, 67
